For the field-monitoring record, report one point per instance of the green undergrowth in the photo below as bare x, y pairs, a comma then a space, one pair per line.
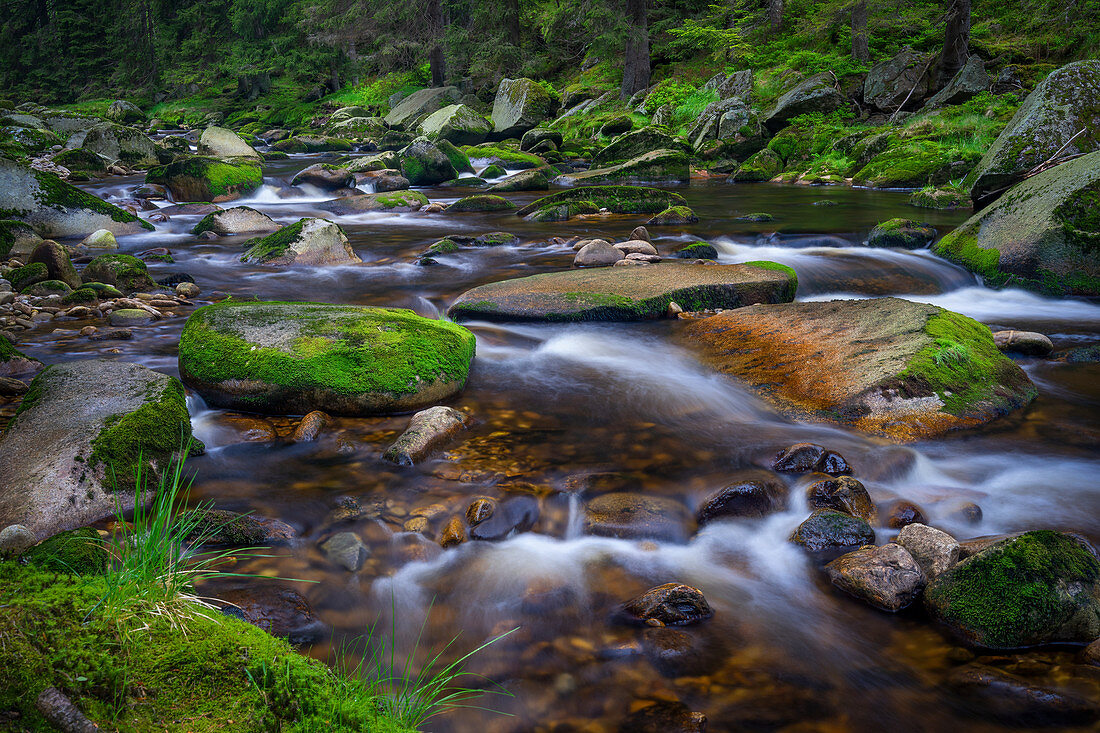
963, 366
222, 674
1006, 596
349, 351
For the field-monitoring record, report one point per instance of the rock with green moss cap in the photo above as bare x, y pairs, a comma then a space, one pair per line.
313, 144
407, 113
903, 233
305, 242
532, 179
944, 197
624, 294
103, 290
534, 137
86, 162
657, 166
674, 215
762, 166
458, 158
632, 144
327, 176
505, 157
381, 161
1064, 106
1038, 588
520, 105
218, 142
1042, 234
117, 144
616, 199
827, 533
27, 275
77, 552
57, 209
424, 164
291, 358
79, 435
80, 296
236, 220
124, 113
125, 272
886, 366
46, 288
696, 251
482, 202
454, 242
457, 123
913, 164
100, 239
17, 239
388, 201
14, 363
198, 178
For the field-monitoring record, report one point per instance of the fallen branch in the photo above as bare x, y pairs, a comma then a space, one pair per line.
62, 714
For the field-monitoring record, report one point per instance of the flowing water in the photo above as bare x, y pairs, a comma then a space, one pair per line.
567, 411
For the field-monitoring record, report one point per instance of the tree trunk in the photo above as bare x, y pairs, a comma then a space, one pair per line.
775, 15
511, 21
636, 58
956, 41
436, 59
860, 50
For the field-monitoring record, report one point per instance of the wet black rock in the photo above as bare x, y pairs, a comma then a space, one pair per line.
754, 493
901, 513
827, 531
844, 494
805, 457
278, 611
671, 604
664, 717
514, 515
990, 692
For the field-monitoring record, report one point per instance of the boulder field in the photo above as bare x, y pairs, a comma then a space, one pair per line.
291, 358
887, 366
626, 294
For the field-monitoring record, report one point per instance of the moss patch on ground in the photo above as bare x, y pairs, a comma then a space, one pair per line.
223, 674
1008, 596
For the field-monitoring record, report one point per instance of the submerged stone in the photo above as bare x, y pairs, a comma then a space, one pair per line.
291, 358
886, 365
618, 294
671, 604
629, 515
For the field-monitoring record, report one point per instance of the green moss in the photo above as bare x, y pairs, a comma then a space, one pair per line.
80, 295
914, 164
221, 675
616, 199
349, 351
149, 434
103, 290
8, 231
459, 159
444, 247
777, 267
482, 202
124, 271
697, 251
27, 275
493, 171
962, 365
1006, 596
47, 287
502, 156
55, 193
199, 178
761, 166
81, 160
80, 552
274, 245
961, 246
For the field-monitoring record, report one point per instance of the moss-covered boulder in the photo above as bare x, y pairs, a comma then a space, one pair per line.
57, 209
696, 251
903, 233
199, 178
940, 197
82, 161
125, 272
395, 201
658, 166
117, 143
454, 242
77, 552
124, 113
27, 275
817, 93
407, 114
17, 238
520, 105
1037, 588
14, 363
57, 263
305, 242
1043, 234
70, 454
313, 144
457, 123
236, 220
388, 160
913, 164
458, 158
358, 128
482, 202
616, 199
632, 144
626, 294
46, 288
502, 156
827, 533
674, 215
1064, 106
327, 176
218, 142
904, 79
424, 164
886, 366
761, 166
291, 358
532, 179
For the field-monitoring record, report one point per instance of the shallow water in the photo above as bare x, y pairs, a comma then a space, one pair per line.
629, 407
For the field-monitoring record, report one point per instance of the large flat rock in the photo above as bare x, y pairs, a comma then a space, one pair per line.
887, 366
626, 293
81, 424
292, 358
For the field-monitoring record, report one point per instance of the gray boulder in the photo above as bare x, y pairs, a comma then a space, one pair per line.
971, 80
632, 144
886, 577
69, 456
424, 164
218, 142
428, 430
324, 175
237, 220
124, 113
1041, 234
598, 253
408, 112
520, 105
57, 209
117, 144
815, 94
738, 84
936, 552
306, 242
346, 550
355, 128
1062, 105
904, 79
457, 123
